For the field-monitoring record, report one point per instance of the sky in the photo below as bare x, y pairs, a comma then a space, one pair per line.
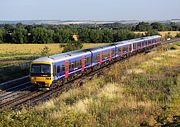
89, 9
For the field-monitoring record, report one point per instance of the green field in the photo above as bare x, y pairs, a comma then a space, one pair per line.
141, 91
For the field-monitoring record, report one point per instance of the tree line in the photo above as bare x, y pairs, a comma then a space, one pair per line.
114, 32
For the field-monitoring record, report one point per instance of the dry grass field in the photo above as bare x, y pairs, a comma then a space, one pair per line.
36, 48
14, 53
140, 91
15, 58
172, 33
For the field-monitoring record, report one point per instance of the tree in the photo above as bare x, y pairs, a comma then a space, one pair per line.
84, 35
107, 36
45, 51
143, 26
62, 36
177, 35
95, 36
2, 33
158, 26
72, 45
121, 35
19, 35
174, 26
42, 35
151, 33
168, 35
8, 33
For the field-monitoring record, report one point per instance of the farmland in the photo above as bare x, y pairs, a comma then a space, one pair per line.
164, 33
19, 53
143, 90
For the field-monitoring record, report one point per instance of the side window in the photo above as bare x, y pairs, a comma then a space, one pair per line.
134, 45
63, 67
75, 64
94, 57
58, 69
85, 60
97, 57
69, 65
149, 42
80, 62
113, 52
54, 70
72, 65
88, 60
119, 50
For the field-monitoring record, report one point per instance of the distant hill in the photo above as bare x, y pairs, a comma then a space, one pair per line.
175, 20
68, 22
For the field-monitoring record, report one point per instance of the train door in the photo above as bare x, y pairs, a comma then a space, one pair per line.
110, 54
83, 63
129, 48
100, 57
66, 68
121, 51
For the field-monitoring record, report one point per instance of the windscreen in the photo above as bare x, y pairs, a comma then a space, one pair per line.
40, 69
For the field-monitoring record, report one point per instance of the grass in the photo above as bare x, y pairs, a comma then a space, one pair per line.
141, 91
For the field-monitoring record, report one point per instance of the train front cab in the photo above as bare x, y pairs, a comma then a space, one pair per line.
41, 74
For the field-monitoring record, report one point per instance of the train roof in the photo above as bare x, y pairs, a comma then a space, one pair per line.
69, 55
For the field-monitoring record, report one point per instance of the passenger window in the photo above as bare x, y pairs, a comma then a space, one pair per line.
63, 67
85, 60
69, 65
134, 46
80, 62
97, 57
113, 52
88, 60
54, 70
72, 65
75, 64
58, 69
119, 50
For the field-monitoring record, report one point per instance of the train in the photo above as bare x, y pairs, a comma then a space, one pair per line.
49, 72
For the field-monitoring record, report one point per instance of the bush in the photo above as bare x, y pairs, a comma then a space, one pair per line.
45, 51
177, 35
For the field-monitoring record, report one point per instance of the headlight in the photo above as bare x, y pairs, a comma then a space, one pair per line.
33, 78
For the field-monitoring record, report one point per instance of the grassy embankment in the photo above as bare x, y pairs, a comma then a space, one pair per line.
13, 57
143, 90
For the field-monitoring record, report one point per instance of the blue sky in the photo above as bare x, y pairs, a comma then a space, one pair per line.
89, 9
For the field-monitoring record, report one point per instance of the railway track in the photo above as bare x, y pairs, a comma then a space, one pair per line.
33, 97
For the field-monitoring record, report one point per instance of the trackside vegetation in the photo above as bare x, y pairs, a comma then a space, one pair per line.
140, 91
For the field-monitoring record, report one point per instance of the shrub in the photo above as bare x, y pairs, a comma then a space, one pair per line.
45, 51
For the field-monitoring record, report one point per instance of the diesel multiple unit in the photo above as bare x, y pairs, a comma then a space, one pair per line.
48, 72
